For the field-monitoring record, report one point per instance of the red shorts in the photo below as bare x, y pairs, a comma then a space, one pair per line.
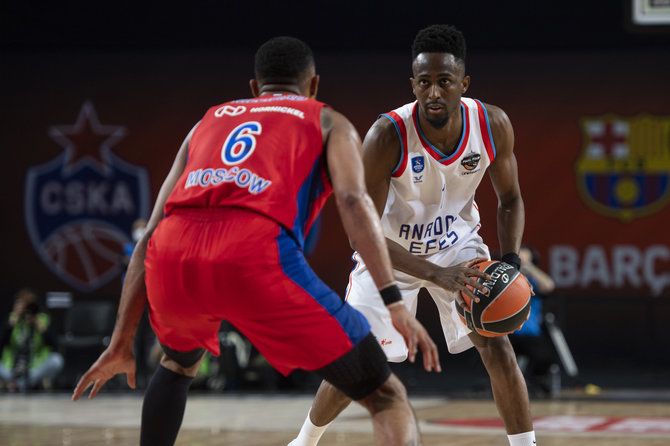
233, 264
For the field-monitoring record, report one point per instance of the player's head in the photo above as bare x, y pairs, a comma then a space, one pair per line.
284, 63
438, 68
440, 39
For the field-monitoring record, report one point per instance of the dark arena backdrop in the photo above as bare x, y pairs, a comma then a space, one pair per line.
96, 98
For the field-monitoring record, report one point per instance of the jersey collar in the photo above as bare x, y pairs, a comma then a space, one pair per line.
434, 151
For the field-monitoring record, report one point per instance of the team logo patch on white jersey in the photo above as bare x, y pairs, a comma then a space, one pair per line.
418, 164
470, 163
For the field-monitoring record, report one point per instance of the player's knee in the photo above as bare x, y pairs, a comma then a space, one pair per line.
328, 403
184, 363
497, 351
390, 394
360, 371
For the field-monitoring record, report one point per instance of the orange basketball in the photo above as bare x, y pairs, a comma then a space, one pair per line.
507, 305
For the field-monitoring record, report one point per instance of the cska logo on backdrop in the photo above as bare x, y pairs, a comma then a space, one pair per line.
624, 168
80, 206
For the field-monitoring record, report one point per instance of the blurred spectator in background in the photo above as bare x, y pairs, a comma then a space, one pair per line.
29, 353
535, 352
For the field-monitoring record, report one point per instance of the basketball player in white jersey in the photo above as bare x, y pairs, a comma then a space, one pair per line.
423, 163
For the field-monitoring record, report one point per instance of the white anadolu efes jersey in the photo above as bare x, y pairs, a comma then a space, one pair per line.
431, 201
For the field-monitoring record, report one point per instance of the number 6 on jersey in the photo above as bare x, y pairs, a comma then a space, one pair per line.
240, 143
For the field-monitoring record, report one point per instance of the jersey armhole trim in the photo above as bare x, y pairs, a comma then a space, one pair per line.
485, 129
399, 125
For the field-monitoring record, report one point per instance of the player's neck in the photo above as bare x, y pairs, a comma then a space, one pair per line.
446, 139
274, 89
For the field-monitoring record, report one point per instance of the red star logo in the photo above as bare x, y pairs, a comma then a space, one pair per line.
87, 141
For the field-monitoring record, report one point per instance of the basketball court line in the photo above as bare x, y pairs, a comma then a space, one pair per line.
282, 413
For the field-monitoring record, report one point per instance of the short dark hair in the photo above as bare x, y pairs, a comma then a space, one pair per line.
282, 59
439, 39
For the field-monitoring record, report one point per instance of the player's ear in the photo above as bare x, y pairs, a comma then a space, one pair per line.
411, 82
465, 84
255, 88
313, 86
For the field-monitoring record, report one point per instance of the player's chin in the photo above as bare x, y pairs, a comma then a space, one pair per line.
438, 120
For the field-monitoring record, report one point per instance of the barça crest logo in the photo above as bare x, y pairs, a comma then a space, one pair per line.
80, 206
624, 168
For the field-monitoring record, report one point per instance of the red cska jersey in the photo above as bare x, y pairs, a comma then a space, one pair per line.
263, 154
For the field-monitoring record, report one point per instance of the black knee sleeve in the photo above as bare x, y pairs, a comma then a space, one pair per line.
360, 371
163, 407
184, 359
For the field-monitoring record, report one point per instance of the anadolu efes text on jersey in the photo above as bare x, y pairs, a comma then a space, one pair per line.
264, 154
431, 201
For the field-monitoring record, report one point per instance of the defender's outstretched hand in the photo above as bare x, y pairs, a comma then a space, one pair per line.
415, 336
109, 364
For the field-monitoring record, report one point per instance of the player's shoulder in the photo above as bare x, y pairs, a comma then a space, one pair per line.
383, 132
403, 112
501, 127
388, 123
496, 116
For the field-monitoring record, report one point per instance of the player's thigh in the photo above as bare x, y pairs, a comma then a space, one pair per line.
290, 315
363, 295
186, 258
454, 330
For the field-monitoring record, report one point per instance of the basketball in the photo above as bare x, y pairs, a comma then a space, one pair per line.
506, 307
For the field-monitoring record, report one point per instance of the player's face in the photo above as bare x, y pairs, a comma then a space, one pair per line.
439, 82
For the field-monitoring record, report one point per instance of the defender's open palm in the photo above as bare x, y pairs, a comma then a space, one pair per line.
415, 337
457, 278
108, 365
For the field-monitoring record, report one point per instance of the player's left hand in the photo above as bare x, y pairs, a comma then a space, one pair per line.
416, 337
110, 363
530, 285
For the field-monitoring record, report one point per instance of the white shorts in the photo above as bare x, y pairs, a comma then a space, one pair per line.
363, 295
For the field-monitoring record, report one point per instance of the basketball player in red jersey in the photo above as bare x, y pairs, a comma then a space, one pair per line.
246, 185
423, 163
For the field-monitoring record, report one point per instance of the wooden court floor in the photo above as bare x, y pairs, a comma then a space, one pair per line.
264, 420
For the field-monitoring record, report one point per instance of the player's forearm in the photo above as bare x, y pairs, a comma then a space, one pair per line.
134, 292
133, 301
411, 264
511, 218
363, 228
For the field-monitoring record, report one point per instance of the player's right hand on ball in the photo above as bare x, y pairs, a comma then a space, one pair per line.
457, 278
415, 336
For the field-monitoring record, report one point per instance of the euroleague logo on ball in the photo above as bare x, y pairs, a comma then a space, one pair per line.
506, 306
